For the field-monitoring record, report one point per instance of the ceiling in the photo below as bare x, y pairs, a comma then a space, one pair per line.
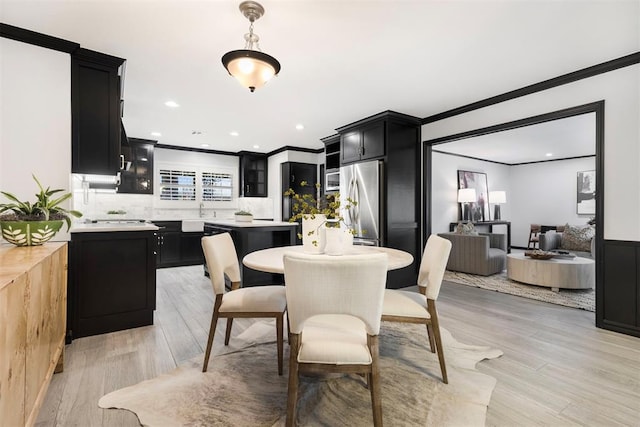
341, 60
558, 139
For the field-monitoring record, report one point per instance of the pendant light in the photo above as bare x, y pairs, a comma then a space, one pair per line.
251, 67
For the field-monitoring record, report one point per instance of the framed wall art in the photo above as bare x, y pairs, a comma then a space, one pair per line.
586, 193
479, 211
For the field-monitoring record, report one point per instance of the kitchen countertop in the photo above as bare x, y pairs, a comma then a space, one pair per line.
252, 224
108, 227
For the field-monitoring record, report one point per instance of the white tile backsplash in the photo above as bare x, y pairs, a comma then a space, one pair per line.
260, 207
94, 204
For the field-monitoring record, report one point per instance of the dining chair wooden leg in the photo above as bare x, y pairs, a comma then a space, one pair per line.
432, 344
227, 334
374, 384
288, 329
292, 393
212, 332
280, 341
438, 339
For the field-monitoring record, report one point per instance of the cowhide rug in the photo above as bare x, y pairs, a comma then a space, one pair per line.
242, 386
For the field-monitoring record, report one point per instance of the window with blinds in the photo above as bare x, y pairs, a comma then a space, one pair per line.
217, 187
177, 185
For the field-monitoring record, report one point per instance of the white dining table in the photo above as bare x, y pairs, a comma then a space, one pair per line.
270, 260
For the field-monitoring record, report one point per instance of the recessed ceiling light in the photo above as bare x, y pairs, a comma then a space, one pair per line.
156, 134
234, 133
172, 104
299, 126
256, 146
549, 154
204, 145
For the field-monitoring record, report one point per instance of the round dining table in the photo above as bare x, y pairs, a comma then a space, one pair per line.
270, 260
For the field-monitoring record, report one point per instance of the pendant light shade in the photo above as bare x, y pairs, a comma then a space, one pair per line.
251, 67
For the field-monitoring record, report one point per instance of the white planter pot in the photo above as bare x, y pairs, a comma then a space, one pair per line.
313, 234
244, 218
334, 241
347, 240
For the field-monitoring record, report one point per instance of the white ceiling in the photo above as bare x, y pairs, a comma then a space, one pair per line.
341, 60
558, 139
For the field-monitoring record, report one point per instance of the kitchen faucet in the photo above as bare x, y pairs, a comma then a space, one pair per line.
201, 208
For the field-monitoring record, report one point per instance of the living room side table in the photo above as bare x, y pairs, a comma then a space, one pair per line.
556, 273
490, 224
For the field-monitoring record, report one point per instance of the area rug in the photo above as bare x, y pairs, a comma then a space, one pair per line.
242, 387
584, 299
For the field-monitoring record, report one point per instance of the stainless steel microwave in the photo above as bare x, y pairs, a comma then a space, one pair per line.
332, 181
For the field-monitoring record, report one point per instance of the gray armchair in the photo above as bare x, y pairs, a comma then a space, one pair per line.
483, 254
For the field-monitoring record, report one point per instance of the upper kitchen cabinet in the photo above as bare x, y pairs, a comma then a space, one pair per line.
253, 174
137, 176
95, 112
362, 142
331, 152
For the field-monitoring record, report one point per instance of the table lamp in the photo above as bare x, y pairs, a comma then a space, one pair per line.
466, 196
498, 198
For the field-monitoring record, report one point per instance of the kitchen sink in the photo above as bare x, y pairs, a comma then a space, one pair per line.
193, 225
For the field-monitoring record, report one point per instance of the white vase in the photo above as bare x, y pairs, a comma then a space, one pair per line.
313, 234
347, 240
334, 241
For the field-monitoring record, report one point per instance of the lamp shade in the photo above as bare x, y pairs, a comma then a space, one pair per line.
466, 195
497, 197
252, 68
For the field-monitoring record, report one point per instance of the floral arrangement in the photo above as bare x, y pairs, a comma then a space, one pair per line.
307, 206
244, 213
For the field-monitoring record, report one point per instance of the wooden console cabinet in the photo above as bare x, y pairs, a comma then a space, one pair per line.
33, 301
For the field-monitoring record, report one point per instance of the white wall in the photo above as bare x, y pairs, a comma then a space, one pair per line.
545, 193
444, 188
620, 89
35, 120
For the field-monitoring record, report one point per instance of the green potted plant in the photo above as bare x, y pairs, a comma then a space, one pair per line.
318, 216
32, 224
243, 216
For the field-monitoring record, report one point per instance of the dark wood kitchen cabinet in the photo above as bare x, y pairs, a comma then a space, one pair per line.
112, 282
191, 248
138, 177
292, 174
363, 143
95, 113
331, 151
177, 248
253, 174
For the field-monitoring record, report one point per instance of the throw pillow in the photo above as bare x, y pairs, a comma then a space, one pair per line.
577, 238
467, 228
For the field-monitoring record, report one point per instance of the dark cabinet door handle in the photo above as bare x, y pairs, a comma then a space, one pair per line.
293, 178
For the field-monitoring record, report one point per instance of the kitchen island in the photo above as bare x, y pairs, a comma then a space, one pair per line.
252, 236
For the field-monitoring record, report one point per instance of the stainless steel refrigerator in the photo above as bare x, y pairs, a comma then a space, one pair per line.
362, 182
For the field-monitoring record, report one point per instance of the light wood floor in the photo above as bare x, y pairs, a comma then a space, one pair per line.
557, 370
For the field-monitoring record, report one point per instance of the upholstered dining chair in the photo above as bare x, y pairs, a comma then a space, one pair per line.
334, 306
420, 307
254, 302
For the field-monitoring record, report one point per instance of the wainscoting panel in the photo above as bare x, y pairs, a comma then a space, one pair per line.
618, 304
